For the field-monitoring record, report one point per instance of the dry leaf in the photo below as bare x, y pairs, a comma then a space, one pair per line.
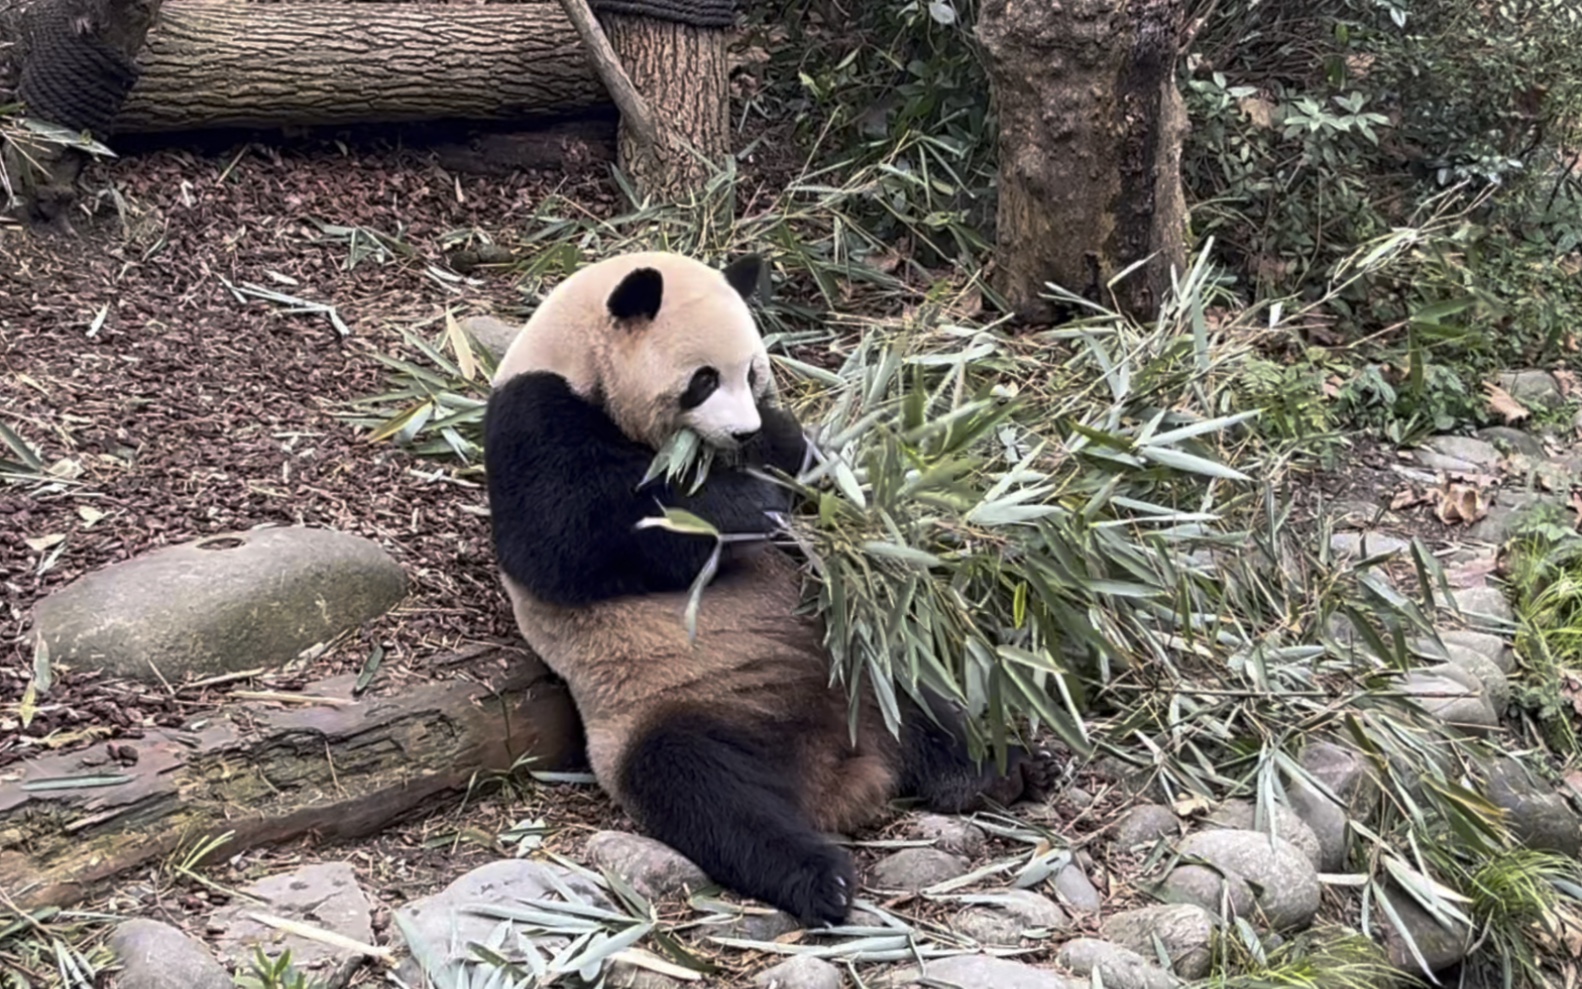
1459, 503
1576, 506
1471, 573
43, 543
1570, 383
1502, 404
1187, 806
1332, 386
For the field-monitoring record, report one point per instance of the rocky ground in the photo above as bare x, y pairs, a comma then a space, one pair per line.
163, 409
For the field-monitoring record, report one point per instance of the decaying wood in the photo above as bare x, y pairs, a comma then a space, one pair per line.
238, 64
269, 772
1091, 126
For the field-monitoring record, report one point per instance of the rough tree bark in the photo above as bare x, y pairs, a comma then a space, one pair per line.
270, 65
1091, 127
268, 773
683, 73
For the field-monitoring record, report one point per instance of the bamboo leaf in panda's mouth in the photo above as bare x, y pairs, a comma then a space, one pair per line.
683, 454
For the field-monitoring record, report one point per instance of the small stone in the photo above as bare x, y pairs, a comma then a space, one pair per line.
1491, 647
1533, 388
445, 922
1120, 968
154, 955
1009, 915
800, 972
1242, 815
1283, 881
1203, 887
765, 926
1539, 818
912, 869
1076, 890
1495, 685
1345, 774
1077, 798
1576, 423
1452, 695
1439, 947
1185, 929
1145, 824
1513, 439
650, 867
219, 604
1359, 545
985, 972
491, 334
950, 834
1481, 605
625, 975
1472, 454
324, 895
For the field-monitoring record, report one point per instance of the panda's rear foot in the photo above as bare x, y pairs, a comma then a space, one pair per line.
1029, 775
816, 887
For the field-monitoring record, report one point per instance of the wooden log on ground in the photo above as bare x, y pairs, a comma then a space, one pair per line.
268, 771
238, 64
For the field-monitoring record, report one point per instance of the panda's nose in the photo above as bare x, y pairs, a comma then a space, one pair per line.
745, 436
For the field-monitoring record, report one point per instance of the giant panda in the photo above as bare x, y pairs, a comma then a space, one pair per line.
733, 749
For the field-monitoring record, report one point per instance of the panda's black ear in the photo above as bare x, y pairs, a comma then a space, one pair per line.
638, 294
746, 274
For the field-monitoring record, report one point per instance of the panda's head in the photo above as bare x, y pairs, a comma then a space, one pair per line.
659, 340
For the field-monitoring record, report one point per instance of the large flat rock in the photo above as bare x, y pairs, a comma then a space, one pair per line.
219, 604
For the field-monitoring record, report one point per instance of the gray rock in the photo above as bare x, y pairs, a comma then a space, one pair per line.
324, 895
1120, 968
445, 922
1440, 947
1491, 647
912, 869
1479, 455
1003, 920
1208, 889
1576, 423
1538, 817
1077, 798
1533, 388
1284, 883
950, 834
1510, 508
1514, 439
1345, 774
650, 867
1358, 545
1452, 695
1146, 824
1484, 605
219, 604
800, 972
1495, 685
154, 955
491, 334
1185, 929
1076, 890
985, 972
762, 926
1242, 815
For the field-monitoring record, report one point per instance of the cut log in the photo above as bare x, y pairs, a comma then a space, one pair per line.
305, 64
683, 73
1091, 127
265, 771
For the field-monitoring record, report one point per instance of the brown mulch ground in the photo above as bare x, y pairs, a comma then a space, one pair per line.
188, 413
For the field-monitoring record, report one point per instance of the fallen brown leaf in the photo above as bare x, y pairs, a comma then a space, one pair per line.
1459, 503
1406, 498
1471, 574
1502, 404
1570, 383
1332, 385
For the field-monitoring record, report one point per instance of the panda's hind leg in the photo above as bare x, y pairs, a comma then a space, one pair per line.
938, 769
725, 796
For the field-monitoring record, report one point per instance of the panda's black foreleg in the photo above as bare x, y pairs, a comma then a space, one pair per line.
726, 800
938, 768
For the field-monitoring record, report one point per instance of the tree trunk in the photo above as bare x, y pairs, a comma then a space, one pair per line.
285, 64
267, 772
684, 74
1091, 127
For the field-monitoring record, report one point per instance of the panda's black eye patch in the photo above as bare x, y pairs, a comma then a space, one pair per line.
702, 385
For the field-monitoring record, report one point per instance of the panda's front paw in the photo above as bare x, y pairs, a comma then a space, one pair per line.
1040, 772
820, 889
780, 442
